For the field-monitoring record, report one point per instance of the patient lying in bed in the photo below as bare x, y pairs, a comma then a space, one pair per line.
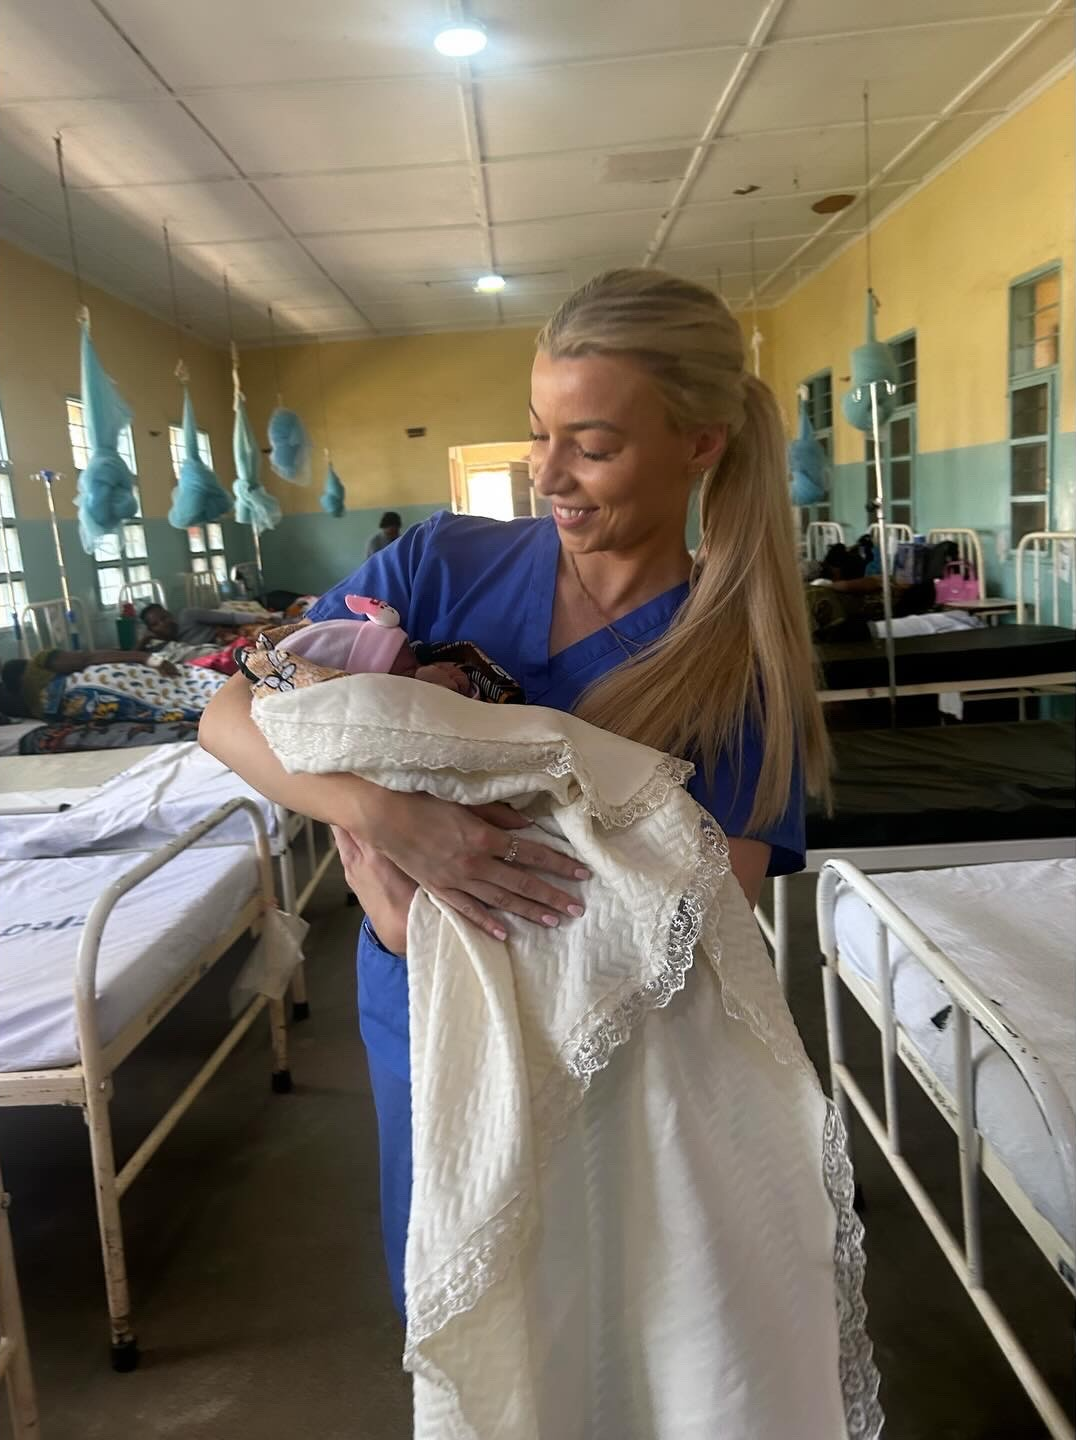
294, 656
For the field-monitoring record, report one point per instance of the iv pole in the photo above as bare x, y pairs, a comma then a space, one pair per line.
888, 388
48, 478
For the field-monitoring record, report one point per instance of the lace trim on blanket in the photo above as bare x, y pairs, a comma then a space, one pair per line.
370, 745
756, 999
489, 1253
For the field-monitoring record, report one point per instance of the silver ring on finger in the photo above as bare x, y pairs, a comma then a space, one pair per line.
512, 852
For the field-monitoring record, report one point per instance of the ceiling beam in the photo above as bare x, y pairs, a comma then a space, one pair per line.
988, 72
746, 63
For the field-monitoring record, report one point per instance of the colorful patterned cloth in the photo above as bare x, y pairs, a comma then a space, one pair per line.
104, 735
131, 692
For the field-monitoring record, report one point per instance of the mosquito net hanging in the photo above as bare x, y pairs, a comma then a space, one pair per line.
332, 494
106, 494
872, 364
807, 464
199, 498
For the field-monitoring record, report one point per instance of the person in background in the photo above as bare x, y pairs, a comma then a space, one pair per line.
195, 627
389, 530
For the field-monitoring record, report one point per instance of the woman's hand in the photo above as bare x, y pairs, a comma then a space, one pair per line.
382, 889
457, 853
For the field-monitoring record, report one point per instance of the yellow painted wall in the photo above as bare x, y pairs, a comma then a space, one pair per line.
466, 389
942, 266
39, 368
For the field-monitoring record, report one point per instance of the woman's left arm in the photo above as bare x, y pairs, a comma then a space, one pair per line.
749, 861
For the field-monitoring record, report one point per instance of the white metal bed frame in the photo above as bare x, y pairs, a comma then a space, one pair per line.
15, 1370
1059, 545
928, 856
969, 1004
201, 590
46, 626
88, 1084
969, 550
819, 535
157, 595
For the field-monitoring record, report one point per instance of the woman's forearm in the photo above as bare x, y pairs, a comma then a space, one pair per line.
228, 731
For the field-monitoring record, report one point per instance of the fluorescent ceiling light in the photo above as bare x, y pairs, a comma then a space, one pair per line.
467, 37
489, 284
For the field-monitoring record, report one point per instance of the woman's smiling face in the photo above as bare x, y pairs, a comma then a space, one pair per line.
604, 451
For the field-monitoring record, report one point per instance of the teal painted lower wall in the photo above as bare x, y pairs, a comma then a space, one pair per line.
967, 489
168, 559
309, 553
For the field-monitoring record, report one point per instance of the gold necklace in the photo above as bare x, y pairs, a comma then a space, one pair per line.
601, 614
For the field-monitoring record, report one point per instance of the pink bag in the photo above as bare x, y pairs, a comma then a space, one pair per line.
957, 585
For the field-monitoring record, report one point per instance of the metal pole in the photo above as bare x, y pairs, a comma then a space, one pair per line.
5, 564
887, 595
48, 477
258, 559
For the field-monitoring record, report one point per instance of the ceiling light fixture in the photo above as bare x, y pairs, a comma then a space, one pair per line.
490, 284
461, 39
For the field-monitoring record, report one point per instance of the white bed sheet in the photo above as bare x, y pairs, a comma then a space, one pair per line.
11, 735
151, 936
1009, 929
39, 784
153, 800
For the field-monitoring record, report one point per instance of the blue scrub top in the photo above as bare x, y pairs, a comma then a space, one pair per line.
458, 577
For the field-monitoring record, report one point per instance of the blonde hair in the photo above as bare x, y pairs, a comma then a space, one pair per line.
739, 648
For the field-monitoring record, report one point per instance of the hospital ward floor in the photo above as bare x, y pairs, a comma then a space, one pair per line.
259, 1295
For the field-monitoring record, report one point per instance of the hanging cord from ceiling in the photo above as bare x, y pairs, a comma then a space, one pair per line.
181, 372
867, 176
83, 310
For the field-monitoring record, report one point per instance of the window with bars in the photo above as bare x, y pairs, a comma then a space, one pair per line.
13, 597
1034, 347
121, 560
819, 404
898, 440
205, 542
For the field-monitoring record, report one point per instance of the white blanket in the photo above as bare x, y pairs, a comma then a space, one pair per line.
631, 1216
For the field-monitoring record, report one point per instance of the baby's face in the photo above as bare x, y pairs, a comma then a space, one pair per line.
449, 677
405, 663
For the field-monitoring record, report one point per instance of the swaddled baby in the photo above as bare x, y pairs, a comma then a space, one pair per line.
374, 643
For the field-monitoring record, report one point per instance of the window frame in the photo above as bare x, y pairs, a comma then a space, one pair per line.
205, 543
823, 433
1026, 379
134, 568
1032, 277
14, 597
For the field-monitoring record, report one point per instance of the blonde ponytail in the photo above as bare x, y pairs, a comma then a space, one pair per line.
739, 649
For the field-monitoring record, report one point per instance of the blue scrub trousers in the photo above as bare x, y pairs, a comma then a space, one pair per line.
383, 1023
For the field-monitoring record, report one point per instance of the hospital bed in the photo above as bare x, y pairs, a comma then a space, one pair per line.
49, 625
952, 795
15, 1373
969, 975
819, 535
107, 801
96, 950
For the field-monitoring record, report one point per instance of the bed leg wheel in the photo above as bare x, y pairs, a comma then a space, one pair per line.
352, 899
300, 1010
125, 1355
859, 1200
281, 1082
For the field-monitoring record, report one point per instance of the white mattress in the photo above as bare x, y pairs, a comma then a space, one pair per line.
151, 801
153, 933
10, 735
32, 784
1009, 929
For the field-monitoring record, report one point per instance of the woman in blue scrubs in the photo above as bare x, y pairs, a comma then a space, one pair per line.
638, 397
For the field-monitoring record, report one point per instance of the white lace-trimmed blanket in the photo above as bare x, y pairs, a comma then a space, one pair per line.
632, 1209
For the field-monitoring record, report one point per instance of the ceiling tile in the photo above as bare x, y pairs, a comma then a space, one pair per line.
937, 147
818, 161
117, 142
207, 43
334, 126
1051, 48
51, 48
567, 30
803, 18
380, 200
822, 83
360, 260
539, 241
636, 102
527, 188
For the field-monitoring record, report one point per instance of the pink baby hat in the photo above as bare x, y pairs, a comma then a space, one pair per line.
364, 647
